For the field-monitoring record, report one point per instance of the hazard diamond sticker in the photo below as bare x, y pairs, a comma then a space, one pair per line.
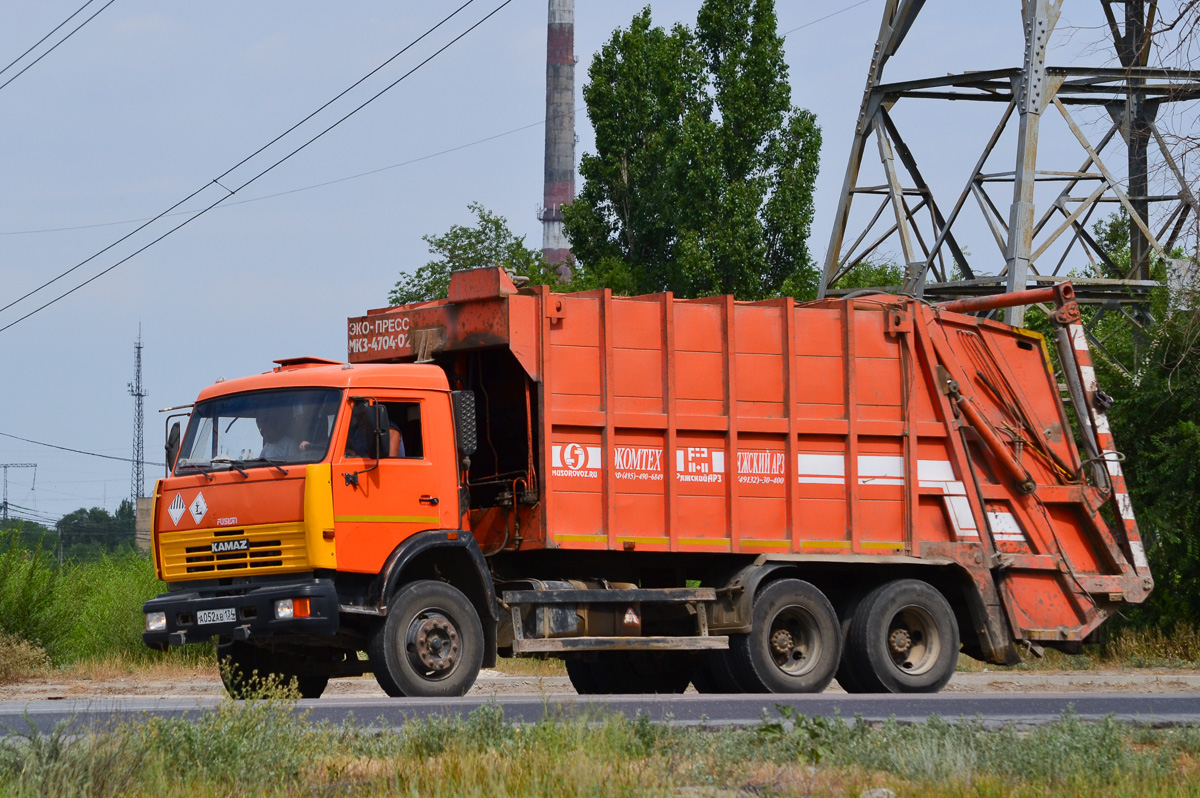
176, 509
198, 507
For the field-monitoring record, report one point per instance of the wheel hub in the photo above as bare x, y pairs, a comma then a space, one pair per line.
436, 642
900, 641
782, 641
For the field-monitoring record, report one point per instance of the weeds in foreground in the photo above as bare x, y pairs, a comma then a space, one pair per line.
265, 746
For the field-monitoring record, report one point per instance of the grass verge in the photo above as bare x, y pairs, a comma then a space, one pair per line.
266, 746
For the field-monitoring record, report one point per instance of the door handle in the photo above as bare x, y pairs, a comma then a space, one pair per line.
430, 500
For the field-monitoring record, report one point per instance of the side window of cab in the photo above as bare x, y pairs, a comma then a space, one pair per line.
405, 438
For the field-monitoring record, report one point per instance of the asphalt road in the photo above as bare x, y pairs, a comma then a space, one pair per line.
994, 709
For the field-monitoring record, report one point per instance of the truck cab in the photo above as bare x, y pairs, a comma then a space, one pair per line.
293, 497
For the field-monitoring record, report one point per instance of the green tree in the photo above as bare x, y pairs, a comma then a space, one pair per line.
488, 243
871, 274
1156, 424
703, 174
88, 533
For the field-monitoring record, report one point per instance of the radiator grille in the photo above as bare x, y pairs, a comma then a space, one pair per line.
270, 549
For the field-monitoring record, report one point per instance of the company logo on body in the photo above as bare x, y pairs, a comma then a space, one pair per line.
692, 464
575, 460
224, 546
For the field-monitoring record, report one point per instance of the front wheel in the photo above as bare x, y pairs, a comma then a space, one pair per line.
795, 640
430, 644
903, 639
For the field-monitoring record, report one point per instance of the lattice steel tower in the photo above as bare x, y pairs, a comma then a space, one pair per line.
138, 476
1047, 211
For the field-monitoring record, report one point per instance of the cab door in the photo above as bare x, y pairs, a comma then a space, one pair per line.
395, 496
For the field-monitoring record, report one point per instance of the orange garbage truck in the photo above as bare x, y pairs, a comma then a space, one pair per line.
741, 496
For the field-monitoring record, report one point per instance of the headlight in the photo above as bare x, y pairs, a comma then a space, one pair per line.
156, 621
292, 608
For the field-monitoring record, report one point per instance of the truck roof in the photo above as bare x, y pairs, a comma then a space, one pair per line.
318, 373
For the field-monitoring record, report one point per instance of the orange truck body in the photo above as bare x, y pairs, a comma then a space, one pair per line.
815, 430
651, 474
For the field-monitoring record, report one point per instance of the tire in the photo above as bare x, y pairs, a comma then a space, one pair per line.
429, 645
903, 639
579, 671
638, 672
241, 661
847, 675
703, 678
795, 640
717, 672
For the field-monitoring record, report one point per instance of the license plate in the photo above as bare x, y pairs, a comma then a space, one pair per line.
227, 615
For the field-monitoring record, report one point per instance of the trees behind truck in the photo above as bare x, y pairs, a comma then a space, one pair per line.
742, 496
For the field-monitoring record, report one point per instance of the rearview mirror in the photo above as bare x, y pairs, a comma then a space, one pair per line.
172, 446
381, 430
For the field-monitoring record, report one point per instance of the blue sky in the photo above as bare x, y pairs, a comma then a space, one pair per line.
153, 100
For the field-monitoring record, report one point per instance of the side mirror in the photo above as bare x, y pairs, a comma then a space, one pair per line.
172, 446
380, 431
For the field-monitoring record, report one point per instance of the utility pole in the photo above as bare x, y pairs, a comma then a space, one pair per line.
5, 467
138, 477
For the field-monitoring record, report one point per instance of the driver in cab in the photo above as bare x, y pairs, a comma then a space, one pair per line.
277, 443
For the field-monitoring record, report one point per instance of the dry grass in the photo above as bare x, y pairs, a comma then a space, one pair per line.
117, 666
20, 660
1128, 648
530, 666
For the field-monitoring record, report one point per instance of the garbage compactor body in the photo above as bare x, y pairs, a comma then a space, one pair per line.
852, 440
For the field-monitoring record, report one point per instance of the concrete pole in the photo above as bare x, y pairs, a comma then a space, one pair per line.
560, 134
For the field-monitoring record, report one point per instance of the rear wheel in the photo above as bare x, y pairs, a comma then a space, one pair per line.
716, 672
846, 676
632, 672
430, 643
903, 639
579, 671
795, 640
245, 668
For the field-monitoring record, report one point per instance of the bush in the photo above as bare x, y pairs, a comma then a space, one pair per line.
30, 594
20, 659
106, 613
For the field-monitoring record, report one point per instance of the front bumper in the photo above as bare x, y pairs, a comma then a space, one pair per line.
254, 610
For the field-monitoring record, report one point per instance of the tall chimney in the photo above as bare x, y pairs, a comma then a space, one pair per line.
560, 134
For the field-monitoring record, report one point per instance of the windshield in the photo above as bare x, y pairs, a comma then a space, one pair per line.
260, 429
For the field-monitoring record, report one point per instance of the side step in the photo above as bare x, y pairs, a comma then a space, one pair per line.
560, 603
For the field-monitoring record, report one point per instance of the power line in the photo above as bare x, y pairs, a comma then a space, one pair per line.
217, 181
299, 189
69, 449
822, 19
35, 515
273, 166
47, 36
56, 44
357, 175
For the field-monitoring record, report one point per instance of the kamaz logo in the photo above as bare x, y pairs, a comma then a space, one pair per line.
222, 546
